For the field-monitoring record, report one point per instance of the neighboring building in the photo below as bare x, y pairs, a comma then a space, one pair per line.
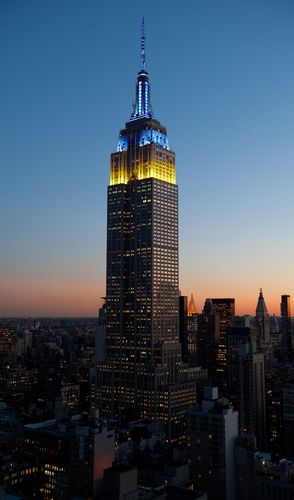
274, 424
191, 307
120, 483
70, 395
46, 446
100, 335
192, 327
245, 321
15, 381
225, 309
245, 454
235, 337
286, 327
252, 417
259, 478
183, 326
208, 335
70, 456
288, 418
246, 382
213, 431
274, 481
262, 322
188, 321
144, 376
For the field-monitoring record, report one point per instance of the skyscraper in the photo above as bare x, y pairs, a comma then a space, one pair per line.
225, 309
143, 376
213, 432
251, 392
183, 326
262, 321
286, 326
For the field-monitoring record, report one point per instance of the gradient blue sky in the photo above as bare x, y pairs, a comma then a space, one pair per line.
222, 76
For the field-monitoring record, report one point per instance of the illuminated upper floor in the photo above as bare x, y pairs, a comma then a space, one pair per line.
143, 149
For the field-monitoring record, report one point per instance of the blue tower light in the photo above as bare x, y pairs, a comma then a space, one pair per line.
142, 106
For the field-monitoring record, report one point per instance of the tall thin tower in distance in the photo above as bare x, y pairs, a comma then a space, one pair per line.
286, 326
143, 376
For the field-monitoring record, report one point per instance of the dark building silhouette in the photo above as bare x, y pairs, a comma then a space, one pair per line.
288, 418
286, 327
225, 309
208, 334
246, 382
100, 335
262, 322
213, 429
192, 327
235, 337
274, 423
183, 326
252, 417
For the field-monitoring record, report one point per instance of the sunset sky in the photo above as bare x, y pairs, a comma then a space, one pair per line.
222, 82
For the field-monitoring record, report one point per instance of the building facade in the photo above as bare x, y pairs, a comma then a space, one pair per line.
225, 309
213, 427
143, 375
286, 327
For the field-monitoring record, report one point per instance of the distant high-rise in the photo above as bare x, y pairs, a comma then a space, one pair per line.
208, 334
225, 309
251, 393
100, 335
183, 326
286, 326
236, 336
144, 376
262, 321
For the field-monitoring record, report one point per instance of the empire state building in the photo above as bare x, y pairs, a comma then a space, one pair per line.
143, 375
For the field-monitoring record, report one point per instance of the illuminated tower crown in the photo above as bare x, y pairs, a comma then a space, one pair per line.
136, 156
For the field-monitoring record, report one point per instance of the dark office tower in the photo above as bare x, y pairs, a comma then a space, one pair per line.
274, 425
252, 418
213, 432
143, 376
100, 335
288, 418
262, 322
225, 309
208, 339
286, 326
183, 326
192, 326
236, 336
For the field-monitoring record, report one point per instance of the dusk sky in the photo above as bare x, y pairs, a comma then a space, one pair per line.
222, 82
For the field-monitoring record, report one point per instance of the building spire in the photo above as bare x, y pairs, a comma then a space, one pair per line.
143, 66
191, 307
261, 308
142, 106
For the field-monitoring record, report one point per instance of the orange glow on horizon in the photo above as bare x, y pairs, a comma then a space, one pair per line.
50, 299
82, 298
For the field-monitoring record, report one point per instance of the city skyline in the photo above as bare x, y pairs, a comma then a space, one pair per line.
234, 156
